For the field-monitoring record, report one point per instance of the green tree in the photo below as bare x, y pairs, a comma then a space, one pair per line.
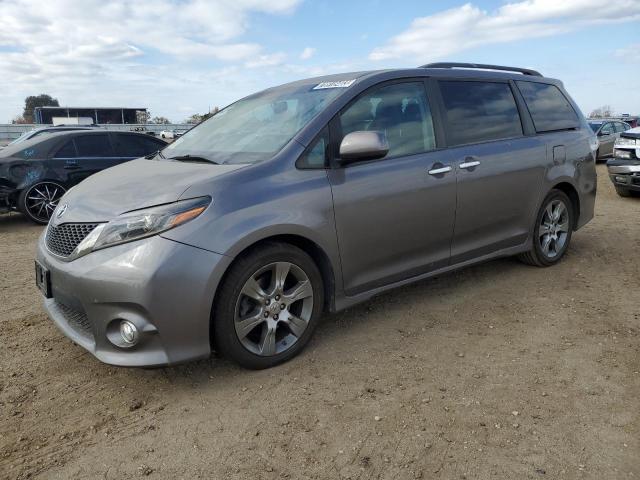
143, 116
33, 101
197, 118
160, 120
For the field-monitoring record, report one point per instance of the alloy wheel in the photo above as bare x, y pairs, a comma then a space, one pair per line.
42, 199
553, 230
273, 309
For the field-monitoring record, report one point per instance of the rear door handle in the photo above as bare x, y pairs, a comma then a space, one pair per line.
439, 170
469, 162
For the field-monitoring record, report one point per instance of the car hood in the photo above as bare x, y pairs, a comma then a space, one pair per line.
133, 185
631, 133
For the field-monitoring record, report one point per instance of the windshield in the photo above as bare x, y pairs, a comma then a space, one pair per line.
254, 128
595, 126
21, 138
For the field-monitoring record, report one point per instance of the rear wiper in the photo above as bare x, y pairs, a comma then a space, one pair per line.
193, 158
154, 154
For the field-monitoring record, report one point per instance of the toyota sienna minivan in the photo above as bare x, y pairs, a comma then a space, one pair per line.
311, 197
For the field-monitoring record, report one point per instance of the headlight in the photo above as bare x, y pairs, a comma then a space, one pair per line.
626, 142
150, 221
617, 153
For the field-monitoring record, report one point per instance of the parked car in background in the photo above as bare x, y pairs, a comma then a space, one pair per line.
39, 131
607, 132
35, 173
624, 167
313, 196
172, 134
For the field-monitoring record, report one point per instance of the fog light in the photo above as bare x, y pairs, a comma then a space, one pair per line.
129, 332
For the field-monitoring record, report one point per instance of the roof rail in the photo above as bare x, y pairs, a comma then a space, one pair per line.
524, 71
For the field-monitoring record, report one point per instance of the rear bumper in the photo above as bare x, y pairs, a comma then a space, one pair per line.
165, 288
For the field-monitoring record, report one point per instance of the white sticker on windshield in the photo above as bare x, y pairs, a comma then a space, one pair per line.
341, 84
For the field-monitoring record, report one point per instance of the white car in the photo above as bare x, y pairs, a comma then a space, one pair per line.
168, 134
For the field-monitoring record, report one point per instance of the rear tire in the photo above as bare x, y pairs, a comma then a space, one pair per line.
249, 325
623, 192
552, 231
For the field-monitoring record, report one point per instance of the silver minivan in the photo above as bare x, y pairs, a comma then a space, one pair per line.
311, 197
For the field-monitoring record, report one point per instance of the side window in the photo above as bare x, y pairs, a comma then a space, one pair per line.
68, 150
621, 127
94, 146
401, 111
550, 110
607, 129
134, 145
315, 155
479, 112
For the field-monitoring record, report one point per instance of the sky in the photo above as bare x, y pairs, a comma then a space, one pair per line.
180, 57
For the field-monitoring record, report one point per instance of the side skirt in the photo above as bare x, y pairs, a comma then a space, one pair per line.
342, 301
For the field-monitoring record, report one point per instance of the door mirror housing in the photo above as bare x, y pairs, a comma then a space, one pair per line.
363, 145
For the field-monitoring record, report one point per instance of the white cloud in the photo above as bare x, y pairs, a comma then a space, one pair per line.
458, 29
307, 53
268, 60
92, 50
630, 53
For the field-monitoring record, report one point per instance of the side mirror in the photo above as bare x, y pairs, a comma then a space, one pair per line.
363, 145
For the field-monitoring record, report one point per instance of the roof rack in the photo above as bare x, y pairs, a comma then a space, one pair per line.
524, 71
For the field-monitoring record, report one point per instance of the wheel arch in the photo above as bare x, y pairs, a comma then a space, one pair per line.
571, 192
311, 248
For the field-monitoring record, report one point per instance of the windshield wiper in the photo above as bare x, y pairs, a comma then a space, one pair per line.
193, 158
154, 154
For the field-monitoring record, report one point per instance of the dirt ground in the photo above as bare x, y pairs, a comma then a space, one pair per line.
498, 371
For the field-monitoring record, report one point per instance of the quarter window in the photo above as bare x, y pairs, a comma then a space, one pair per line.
479, 112
401, 111
315, 156
550, 110
94, 146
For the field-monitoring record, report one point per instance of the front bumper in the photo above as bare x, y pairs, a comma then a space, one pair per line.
164, 287
625, 173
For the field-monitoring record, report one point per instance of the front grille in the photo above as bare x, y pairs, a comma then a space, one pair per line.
77, 319
63, 239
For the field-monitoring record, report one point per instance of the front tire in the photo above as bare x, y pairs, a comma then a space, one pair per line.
552, 230
268, 306
39, 201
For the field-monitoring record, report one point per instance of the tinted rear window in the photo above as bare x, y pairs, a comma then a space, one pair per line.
549, 108
479, 112
136, 145
94, 146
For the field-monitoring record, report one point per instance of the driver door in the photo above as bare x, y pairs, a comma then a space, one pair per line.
394, 216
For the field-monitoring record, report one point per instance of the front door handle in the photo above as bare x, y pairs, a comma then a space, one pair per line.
439, 170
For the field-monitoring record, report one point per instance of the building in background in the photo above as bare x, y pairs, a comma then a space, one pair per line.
102, 115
